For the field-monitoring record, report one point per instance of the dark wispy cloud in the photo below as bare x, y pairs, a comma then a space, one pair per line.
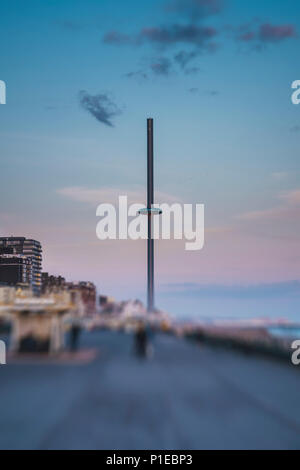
187, 36
200, 37
248, 36
138, 74
195, 35
191, 35
72, 25
177, 34
209, 92
161, 66
295, 128
191, 70
100, 106
195, 9
117, 38
268, 33
212, 92
272, 33
184, 57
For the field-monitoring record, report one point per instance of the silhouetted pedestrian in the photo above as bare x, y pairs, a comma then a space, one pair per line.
141, 341
74, 336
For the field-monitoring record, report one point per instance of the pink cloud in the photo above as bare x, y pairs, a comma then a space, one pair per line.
287, 211
275, 213
95, 196
247, 36
267, 33
291, 197
273, 33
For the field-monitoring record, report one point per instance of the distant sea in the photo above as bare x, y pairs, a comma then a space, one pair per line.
185, 307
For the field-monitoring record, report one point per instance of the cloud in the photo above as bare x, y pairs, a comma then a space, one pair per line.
291, 197
110, 195
177, 34
173, 34
267, 33
209, 92
139, 74
100, 106
275, 213
212, 92
250, 36
184, 57
270, 290
199, 37
191, 70
272, 33
295, 128
196, 9
190, 35
71, 25
117, 38
161, 66
290, 210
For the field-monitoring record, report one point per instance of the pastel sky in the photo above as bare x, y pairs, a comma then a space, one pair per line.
82, 76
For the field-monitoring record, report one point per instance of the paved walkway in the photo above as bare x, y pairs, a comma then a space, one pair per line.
186, 397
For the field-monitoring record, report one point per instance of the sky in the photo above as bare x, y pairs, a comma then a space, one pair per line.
83, 76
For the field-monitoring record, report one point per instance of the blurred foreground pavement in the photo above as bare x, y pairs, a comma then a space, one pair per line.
185, 397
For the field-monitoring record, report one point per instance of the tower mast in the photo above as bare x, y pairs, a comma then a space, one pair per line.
150, 202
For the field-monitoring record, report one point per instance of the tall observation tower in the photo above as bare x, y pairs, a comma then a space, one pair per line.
150, 211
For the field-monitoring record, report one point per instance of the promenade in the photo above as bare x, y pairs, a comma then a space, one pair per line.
185, 397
